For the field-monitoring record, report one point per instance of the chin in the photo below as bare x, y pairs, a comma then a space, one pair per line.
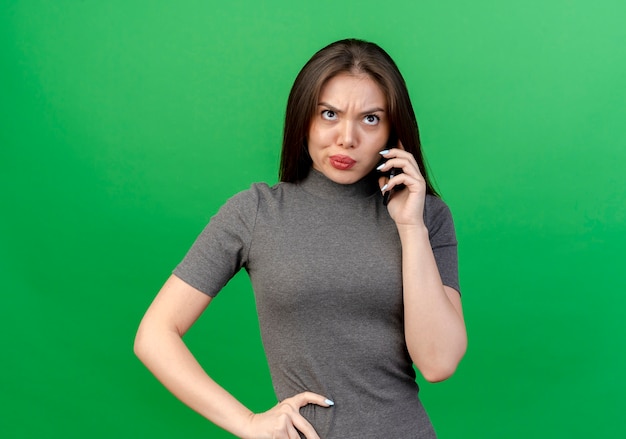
343, 177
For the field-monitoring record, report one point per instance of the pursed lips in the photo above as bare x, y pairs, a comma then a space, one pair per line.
341, 162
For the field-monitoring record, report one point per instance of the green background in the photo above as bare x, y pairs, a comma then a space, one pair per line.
124, 125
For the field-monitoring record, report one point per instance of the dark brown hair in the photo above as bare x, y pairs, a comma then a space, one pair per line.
346, 56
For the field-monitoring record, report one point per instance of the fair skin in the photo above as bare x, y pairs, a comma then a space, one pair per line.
435, 331
351, 128
345, 138
160, 346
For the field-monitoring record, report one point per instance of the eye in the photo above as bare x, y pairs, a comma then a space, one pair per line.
329, 115
371, 119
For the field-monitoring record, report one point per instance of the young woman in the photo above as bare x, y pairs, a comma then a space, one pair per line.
352, 289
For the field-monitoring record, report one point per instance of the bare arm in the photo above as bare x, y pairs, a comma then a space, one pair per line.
434, 326
160, 347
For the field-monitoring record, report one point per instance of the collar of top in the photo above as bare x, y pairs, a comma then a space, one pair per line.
321, 186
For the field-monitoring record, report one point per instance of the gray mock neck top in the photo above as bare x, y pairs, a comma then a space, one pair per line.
324, 260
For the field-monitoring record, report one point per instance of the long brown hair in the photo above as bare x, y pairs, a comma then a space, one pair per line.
346, 56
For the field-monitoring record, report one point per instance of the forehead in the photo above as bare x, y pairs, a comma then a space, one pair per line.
358, 88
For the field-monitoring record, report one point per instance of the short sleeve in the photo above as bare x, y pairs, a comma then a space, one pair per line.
221, 250
438, 219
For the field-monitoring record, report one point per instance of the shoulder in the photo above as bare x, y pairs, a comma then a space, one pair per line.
239, 215
258, 194
435, 207
437, 216
264, 190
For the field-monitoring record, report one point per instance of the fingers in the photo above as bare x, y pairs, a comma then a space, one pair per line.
410, 174
301, 400
304, 398
400, 159
285, 421
283, 427
286, 428
304, 427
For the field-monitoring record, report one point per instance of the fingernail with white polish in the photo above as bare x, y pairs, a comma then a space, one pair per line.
329, 402
384, 151
382, 189
380, 167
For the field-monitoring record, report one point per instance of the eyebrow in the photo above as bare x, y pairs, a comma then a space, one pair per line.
337, 110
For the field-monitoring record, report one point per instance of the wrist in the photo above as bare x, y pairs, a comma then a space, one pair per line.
412, 233
248, 430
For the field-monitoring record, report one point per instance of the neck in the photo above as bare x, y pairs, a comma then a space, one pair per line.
319, 185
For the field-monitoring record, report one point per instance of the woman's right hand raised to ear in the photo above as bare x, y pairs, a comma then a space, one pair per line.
284, 420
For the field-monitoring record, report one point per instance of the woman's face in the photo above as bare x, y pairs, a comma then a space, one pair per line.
349, 128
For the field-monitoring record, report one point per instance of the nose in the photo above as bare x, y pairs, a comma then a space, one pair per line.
346, 137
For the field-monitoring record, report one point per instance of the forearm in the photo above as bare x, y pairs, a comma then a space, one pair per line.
434, 327
165, 354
